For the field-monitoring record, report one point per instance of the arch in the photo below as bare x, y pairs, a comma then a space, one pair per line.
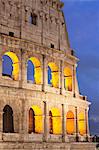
81, 123
33, 19
10, 65
8, 126
53, 75
34, 72
35, 119
55, 122
68, 79
70, 126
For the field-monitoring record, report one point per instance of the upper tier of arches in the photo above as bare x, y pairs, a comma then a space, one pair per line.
11, 69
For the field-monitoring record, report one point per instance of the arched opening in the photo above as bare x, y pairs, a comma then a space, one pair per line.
53, 75
70, 127
31, 121
81, 123
68, 79
8, 126
35, 120
55, 121
33, 19
34, 73
10, 65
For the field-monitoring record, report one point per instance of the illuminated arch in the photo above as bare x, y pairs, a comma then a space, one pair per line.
81, 123
34, 72
53, 75
55, 122
68, 79
70, 127
35, 120
10, 65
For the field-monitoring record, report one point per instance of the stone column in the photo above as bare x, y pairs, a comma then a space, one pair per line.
87, 124
76, 119
61, 76
42, 26
21, 68
45, 123
22, 130
44, 73
73, 81
1, 125
63, 124
59, 32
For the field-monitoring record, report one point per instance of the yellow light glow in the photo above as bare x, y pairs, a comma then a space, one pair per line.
56, 121
37, 70
38, 119
81, 123
55, 74
68, 79
70, 122
35, 61
15, 61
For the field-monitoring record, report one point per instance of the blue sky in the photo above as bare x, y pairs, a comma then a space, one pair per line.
82, 20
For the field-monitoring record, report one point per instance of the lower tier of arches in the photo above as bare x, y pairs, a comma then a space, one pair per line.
53, 121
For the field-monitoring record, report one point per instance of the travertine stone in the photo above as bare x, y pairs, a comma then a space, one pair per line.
27, 41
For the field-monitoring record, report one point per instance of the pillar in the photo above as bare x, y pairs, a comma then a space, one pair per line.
76, 119
21, 68
1, 124
87, 124
59, 33
22, 123
44, 73
45, 123
1, 121
42, 26
63, 124
61, 76
73, 81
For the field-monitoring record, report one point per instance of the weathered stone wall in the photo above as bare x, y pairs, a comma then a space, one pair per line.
27, 41
50, 28
46, 146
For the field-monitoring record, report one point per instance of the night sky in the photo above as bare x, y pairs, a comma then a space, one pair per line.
82, 20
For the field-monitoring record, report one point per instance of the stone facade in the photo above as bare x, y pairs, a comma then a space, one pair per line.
46, 39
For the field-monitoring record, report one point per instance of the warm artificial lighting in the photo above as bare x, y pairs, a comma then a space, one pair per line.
54, 75
81, 123
14, 64
38, 119
56, 121
70, 122
36, 73
68, 79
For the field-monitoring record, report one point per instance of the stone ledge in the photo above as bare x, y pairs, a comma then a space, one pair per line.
46, 146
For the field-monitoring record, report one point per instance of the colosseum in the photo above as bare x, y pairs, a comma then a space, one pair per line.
40, 106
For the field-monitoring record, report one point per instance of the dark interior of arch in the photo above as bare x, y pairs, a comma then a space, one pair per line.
8, 126
31, 121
